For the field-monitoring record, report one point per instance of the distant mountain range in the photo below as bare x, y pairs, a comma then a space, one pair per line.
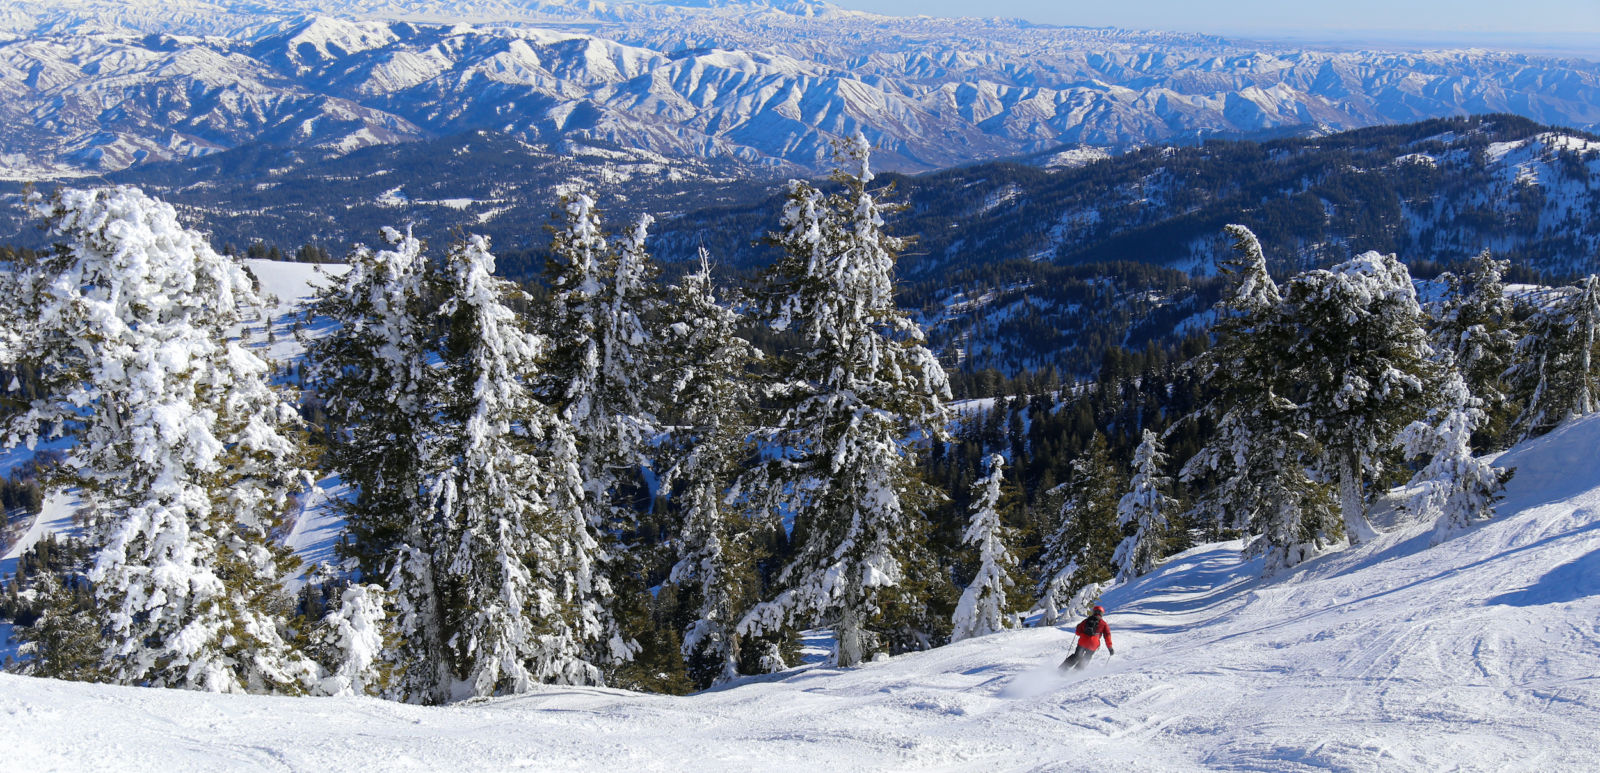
92, 86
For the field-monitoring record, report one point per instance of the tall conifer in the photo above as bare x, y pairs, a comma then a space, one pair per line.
1254, 463
710, 386
1143, 512
990, 601
1361, 370
184, 456
380, 395
858, 384
1558, 367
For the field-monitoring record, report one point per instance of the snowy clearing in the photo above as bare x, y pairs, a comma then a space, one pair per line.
287, 288
1478, 655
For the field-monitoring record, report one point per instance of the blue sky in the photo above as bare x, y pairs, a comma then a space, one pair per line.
1437, 19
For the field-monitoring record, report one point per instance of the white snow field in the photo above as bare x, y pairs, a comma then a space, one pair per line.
287, 288
1480, 654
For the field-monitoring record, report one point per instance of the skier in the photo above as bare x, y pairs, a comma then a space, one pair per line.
1089, 632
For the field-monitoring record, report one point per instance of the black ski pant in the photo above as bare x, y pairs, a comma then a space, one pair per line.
1078, 659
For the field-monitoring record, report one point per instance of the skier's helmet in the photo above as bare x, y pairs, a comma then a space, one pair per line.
1099, 610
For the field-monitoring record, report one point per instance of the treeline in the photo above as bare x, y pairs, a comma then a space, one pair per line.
305, 253
1306, 401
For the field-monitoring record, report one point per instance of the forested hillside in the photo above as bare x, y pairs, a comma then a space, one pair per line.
1014, 266
632, 481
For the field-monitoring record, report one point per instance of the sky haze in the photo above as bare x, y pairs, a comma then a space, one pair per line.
1528, 24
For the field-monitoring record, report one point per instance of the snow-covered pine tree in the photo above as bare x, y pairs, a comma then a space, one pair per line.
857, 386
371, 374
631, 362
1144, 510
573, 373
1557, 366
379, 393
597, 376
350, 643
508, 629
1455, 490
185, 457
1475, 322
1253, 465
1078, 552
989, 602
629, 352
711, 388
64, 641
603, 356
1055, 588
1361, 370
1084, 600
1253, 293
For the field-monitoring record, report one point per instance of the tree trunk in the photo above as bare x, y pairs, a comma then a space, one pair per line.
1586, 402
1351, 506
847, 632
730, 660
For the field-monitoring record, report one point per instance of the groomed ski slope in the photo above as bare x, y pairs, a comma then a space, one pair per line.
1482, 654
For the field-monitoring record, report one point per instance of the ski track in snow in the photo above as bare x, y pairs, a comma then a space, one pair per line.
1481, 654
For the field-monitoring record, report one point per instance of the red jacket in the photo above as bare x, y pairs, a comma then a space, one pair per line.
1090, 640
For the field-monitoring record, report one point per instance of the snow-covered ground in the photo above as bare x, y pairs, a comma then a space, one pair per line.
287, 287
1481, 654
317, 525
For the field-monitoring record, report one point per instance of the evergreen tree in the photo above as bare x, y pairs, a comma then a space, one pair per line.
371, 374
1143, 512
64, 641
1476, 325
1557, 367
350, 643
597, 377
573, 373
857, 384
1078, 553
711, 388
1455, 489
379, 395
603, 357
1360, 364
1255, 458
184, 455
989, 603
630, 361
507, 629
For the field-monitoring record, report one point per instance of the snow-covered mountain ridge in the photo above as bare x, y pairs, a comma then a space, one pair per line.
1018, 268
1014, 266
91, 86
1476, 655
